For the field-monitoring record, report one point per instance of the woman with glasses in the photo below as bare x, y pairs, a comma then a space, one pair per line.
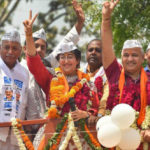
68, 92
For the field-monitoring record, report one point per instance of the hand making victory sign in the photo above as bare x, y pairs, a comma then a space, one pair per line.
31, 50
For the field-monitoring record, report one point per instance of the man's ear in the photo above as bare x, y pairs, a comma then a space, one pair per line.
24, 49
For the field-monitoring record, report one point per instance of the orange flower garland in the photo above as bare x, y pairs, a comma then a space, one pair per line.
25, 138
143, 82
54, 146
21, 133
60, 93
93, 140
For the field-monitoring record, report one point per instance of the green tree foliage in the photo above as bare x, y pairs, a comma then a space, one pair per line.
7, 7
63, 10
130, 20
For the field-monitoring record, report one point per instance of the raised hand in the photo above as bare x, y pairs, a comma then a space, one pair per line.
79, 12
28, 24
108, 8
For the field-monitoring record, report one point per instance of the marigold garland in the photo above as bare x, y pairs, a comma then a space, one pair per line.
24, 137
93, 140
17, 134
55, 139
54, 146
94, 144
58, 93
71, 133
143, 97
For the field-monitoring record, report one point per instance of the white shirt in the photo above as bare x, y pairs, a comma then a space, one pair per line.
16, 82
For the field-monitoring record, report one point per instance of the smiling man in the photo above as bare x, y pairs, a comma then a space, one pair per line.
13, 80
130, 83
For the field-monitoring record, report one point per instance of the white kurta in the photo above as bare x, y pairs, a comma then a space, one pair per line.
37, 106
13, 96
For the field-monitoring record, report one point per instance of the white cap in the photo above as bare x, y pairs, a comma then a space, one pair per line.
40, 34
12, 35
131, 44
148, 48
64, 47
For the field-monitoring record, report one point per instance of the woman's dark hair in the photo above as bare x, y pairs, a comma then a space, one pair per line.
77, 54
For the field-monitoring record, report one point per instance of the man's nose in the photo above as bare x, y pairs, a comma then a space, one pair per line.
130, 58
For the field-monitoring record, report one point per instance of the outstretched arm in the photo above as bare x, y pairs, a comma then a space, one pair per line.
31, 50
73, 34
80, 15
106, 33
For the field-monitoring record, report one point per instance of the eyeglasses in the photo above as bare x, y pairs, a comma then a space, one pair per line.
99, 50
68, 57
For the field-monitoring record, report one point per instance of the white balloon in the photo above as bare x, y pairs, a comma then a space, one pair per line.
123, 115
103, 121
130, 139
109, 135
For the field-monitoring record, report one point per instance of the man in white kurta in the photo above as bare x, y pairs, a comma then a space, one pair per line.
13, 87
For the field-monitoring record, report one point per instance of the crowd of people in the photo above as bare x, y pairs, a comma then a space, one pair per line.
57, 87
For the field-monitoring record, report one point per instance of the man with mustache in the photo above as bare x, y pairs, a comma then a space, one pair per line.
94, 57
130, 83
95, 69
14, 79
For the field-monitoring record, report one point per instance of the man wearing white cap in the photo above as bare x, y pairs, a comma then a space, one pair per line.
129, 83
37, 106
147, 57
13, 77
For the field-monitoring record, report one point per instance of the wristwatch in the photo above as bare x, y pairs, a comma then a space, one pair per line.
99, 115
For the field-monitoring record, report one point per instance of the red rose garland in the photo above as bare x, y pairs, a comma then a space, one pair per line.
99, 85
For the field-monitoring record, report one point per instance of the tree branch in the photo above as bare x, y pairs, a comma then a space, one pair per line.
1, 1
59, 16
5, 9
9, 13
52, 10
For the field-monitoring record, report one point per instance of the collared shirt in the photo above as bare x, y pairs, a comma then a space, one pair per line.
93, 76
99, 72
